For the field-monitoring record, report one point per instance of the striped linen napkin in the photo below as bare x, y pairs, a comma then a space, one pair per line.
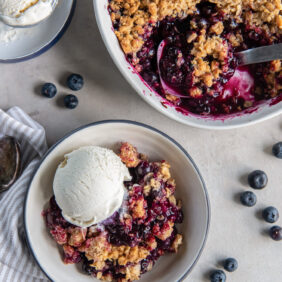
16, 263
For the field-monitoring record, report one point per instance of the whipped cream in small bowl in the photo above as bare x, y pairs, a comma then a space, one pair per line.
25, 13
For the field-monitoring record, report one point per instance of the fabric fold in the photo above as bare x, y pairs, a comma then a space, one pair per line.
16, 262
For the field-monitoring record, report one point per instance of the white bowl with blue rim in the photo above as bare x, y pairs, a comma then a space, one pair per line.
190, 188
35, 40
264, 111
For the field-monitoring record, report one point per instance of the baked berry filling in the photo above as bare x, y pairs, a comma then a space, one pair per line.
128, 243
188, 55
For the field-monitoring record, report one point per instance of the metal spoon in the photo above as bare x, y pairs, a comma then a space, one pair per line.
10, 162
11, 21
260, 54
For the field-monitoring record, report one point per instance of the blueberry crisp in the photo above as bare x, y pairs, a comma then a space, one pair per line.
128, 243
184, 50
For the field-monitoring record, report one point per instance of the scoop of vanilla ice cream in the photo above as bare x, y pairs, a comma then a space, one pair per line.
25, 12
88, 185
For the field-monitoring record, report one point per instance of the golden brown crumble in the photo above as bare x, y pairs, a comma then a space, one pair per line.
138, 208
273, 84
151, 243
172, 200
107, 277
129, 155
99, 250
205, 46
164, 170
77, 236
172, 98
164, 234
64, 162
192, 37
132, 273
155, 184
27, 7
217, 28
139, 15
177, 242
195, 92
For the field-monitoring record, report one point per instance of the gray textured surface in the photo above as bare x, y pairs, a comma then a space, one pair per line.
223, 157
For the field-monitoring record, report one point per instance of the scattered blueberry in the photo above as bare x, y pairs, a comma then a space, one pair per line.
218, 276
257, 179
270, 214
70, 101
230, 264
248, 198
75, 82
49, 90
277, 150
276, 233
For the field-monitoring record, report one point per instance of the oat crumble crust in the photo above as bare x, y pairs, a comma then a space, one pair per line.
99, 250
139, 15
136, 18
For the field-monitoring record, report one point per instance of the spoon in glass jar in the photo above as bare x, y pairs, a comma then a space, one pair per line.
32, 15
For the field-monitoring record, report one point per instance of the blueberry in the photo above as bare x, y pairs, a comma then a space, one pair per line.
230, 264
49, 90
87, 268
207, 9
75, 82
257, 179
277, 150
270, 214
218, 276
275, 233
248, 198
70, 101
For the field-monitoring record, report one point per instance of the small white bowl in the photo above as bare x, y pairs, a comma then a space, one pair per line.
158, 146
254, 115
35, 40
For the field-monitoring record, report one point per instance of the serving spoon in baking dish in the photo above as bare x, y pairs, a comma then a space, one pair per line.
260, 55
17, 22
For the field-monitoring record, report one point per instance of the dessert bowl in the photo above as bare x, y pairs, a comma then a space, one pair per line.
262, 111
190, 190
29, 42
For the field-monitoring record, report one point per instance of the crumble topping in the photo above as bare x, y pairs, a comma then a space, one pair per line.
177, 242
132, 273
77, 236
138, 208
217, 49
129, 155
99, 250
138, 16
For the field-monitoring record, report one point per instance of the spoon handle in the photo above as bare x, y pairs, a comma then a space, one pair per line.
260, 54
